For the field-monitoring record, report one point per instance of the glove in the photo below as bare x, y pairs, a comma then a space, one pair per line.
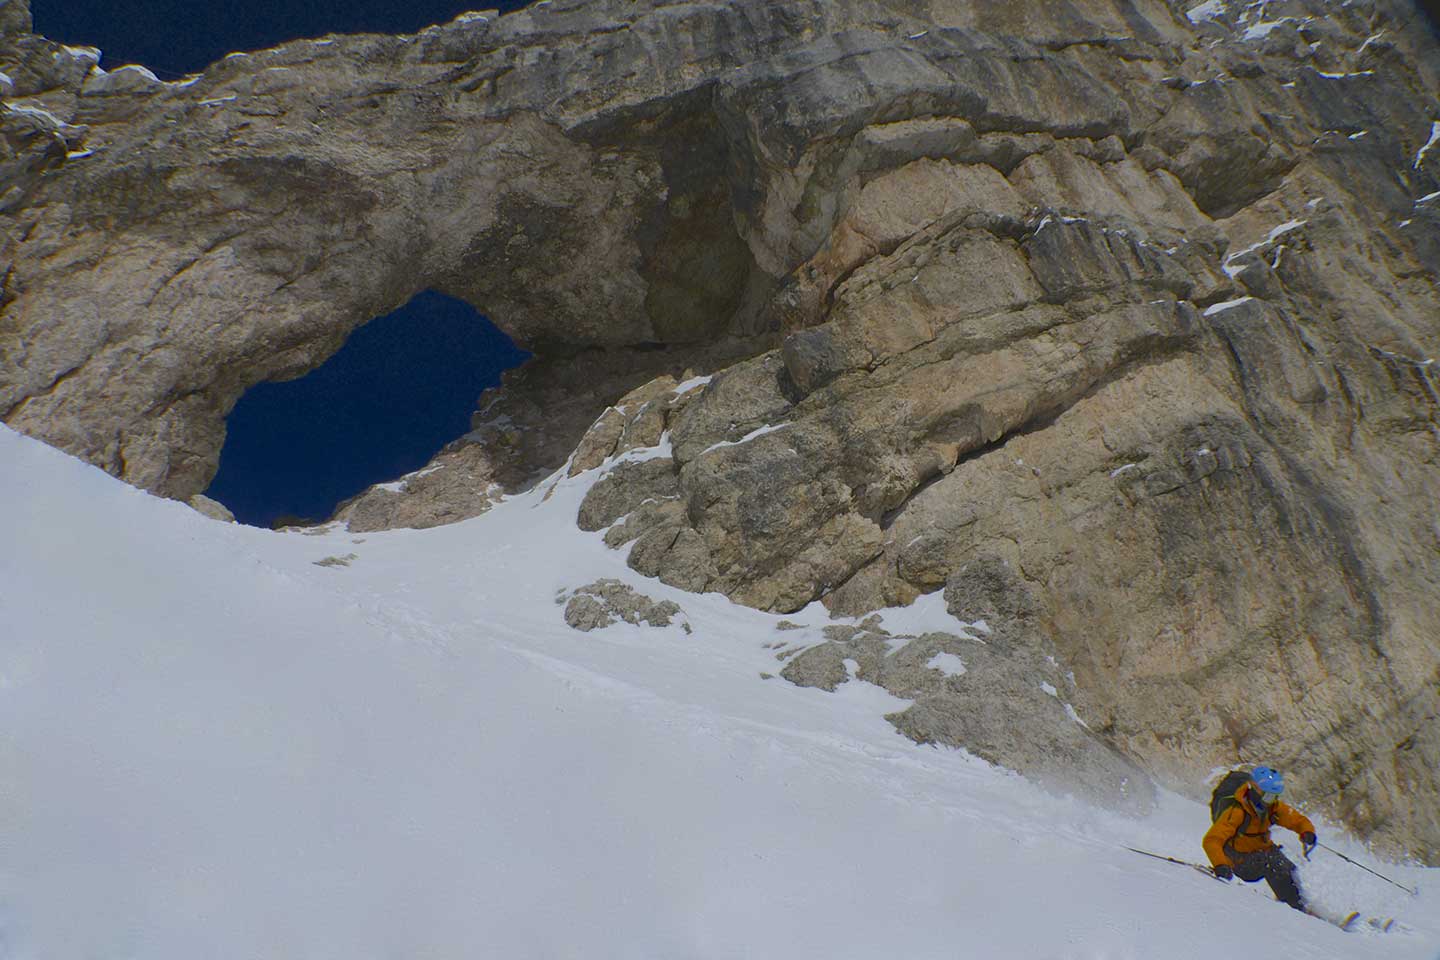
1307, 843
1223, 872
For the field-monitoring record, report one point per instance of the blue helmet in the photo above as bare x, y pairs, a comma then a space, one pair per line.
1270, 782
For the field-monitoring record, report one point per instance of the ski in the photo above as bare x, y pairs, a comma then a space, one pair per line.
1346, 922
1343, 921
1350, 922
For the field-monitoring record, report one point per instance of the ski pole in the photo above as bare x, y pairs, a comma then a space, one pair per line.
1368, 870
1184, 863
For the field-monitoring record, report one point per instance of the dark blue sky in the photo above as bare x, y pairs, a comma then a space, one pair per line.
175, 37
401, 388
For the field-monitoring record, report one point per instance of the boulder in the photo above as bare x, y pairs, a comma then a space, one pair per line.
606, 602
211, 508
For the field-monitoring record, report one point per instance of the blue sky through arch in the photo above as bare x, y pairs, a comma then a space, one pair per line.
400, 388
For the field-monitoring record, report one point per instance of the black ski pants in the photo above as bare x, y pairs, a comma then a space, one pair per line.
1274, 868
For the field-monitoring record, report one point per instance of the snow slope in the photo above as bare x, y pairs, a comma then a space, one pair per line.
212, 747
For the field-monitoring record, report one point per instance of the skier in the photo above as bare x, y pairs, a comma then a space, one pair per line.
1244, 807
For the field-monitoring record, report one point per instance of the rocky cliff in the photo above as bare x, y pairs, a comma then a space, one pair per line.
1112, 319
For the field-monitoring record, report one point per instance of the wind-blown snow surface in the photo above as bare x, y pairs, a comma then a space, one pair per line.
212, 747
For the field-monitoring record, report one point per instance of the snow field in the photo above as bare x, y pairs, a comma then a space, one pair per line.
210, 746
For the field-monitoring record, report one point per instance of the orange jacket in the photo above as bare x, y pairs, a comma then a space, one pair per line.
1241, 829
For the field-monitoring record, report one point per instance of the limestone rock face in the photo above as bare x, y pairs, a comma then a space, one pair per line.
15, 17
1115, 319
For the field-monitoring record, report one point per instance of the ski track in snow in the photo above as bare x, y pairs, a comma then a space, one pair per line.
213, 747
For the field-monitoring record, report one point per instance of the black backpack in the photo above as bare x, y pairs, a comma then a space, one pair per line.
1224, 796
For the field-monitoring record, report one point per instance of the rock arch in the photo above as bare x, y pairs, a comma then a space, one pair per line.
237, 229
244, 270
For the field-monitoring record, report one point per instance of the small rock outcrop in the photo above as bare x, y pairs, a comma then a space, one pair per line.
607, 602
211, 508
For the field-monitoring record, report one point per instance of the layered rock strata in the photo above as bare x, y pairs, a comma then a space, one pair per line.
1136, 299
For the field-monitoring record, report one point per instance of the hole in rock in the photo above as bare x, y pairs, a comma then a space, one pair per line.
401, 387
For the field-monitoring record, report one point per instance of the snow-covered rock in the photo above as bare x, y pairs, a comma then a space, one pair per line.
127, 79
